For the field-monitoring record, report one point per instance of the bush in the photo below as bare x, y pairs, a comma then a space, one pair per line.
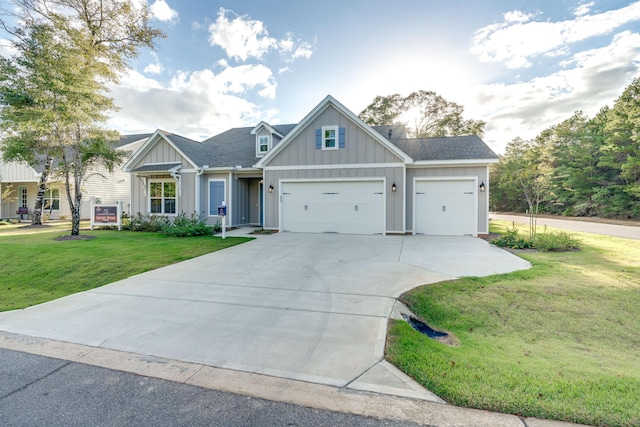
558, 241
512, 239
546, 241
184, 226
151, 223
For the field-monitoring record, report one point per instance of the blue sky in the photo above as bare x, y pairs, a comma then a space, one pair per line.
521, 66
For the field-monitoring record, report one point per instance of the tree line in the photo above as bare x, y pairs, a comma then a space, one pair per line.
580, 167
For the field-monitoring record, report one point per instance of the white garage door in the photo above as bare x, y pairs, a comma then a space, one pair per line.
445, 208
351, 207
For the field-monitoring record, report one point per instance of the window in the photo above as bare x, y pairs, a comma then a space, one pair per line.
24, 198
52, 199
162, 197
216, 195
263, 144
330, 138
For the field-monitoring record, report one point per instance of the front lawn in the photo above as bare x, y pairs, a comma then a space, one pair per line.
559, 341
35, 268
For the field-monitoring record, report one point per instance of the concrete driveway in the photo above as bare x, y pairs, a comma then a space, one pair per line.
309, 307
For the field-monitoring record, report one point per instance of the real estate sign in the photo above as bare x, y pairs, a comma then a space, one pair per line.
106, 215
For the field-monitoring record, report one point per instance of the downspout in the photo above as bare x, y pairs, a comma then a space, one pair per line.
199, 173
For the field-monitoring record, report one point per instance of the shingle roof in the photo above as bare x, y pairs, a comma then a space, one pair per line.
164, 167
446, 148
128, 139
236, 147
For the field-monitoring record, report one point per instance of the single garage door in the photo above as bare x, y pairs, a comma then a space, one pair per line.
350, 207
445, 208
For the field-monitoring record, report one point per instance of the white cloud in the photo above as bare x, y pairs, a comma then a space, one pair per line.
583, 9
162, 12
154, 67
242, 38
518, 39
591, 79
7, 49
196, 104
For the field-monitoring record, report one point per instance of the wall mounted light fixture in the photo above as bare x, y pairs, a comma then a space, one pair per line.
482, 187
393, 187
270, 188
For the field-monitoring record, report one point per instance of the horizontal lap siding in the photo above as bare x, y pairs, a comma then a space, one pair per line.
475, 171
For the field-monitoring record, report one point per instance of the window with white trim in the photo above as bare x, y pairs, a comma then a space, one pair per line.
263, 144
162, 197
330, 137
216, 195
52, 199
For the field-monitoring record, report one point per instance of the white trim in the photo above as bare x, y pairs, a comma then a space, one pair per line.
454, 162
336, 138
340, 166
260, 153
148, 145
209, 196
267, 126
448, 178
323, 105
382, 179
177, 197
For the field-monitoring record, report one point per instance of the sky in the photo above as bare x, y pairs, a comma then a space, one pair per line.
520, 65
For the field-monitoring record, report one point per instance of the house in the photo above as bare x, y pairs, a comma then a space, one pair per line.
101, 185
330, 173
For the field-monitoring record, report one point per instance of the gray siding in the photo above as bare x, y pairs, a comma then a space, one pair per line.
474, 171
162, 152
394, 205
360, 147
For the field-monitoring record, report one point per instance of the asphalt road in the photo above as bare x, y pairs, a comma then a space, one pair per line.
37, 391
624, 231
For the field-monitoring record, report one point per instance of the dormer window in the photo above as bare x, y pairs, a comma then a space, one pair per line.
263, 144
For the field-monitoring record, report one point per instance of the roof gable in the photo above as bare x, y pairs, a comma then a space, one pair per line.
329, 101
178, 143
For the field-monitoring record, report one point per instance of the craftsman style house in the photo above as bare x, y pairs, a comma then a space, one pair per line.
330, 173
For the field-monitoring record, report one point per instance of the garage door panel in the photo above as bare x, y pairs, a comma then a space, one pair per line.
445, 207
333, 207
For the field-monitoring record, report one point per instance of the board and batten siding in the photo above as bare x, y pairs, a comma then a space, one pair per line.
481, 172
11, 172
360, 147
394, 201
162, 152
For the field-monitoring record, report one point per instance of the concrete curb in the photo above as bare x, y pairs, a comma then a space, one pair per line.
271, 388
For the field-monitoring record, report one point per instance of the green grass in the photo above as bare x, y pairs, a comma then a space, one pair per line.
559, 341
35, 268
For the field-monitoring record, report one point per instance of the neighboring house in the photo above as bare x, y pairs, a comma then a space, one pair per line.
100, 185
330, 173
108, 188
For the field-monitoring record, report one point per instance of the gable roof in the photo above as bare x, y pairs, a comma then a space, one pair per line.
184, 146
469, 147
330, 101
237, 146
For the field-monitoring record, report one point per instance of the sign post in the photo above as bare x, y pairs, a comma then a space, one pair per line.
222, 211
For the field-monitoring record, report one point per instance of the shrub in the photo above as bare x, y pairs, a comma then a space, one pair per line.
152, 223
184, 226
512, 239
558, 241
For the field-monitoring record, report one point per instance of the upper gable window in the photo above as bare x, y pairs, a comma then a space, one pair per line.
330, 137
263, 144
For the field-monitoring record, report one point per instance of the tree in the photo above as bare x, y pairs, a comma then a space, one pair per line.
430, 114
53, 90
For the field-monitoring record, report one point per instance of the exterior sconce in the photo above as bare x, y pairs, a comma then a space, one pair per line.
482, 187
393, 187
270, 188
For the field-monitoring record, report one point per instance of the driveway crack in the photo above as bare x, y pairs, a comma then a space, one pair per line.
26, 386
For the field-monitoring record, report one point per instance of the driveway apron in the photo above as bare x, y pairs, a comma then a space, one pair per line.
310, 307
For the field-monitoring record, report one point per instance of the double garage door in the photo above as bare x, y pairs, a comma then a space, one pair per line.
350, 207
445, 207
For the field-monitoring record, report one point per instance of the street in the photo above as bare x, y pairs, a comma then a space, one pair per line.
37, 391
